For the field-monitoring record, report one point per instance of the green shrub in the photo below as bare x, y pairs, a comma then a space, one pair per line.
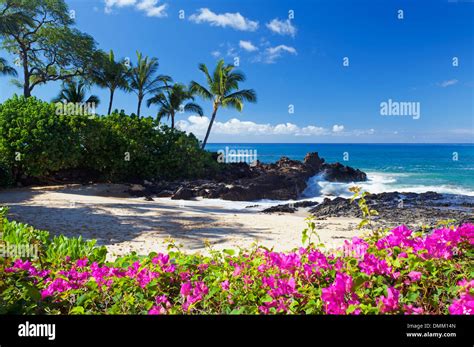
49, 249
35, 142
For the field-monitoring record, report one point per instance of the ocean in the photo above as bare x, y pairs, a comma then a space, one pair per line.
443, 168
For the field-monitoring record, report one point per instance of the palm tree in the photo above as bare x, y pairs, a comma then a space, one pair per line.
74, 92
142, 78
110, 74
172, 99
12, 18
222, 89
6, 69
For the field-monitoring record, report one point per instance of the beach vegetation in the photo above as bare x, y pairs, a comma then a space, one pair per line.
401, 272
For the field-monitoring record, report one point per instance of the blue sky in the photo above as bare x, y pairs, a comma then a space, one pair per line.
299, 62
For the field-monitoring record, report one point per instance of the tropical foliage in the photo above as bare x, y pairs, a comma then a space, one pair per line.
36, 142
75, 92
6, 69
401, 272
173, 99
48, 48
143, 78
110, 74
222, 90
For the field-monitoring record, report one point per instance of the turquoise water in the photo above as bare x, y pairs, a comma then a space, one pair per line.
403, 167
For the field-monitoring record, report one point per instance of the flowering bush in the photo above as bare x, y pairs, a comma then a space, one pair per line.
398, 272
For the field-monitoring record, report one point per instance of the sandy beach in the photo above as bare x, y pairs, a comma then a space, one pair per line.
106, 213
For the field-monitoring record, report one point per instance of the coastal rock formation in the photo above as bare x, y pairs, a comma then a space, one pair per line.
402, 208
339, 173
284, 180
289, 208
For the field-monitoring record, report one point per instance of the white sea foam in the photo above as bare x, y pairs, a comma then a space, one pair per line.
378, 182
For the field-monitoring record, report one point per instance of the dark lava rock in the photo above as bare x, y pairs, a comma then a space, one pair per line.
289, 208
183, 194
280, 209
285, 179
340, 173
164, 194
396, 208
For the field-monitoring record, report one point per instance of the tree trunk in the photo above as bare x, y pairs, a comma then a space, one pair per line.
140, 98
26, 76
111, 101
210, 126
172, 121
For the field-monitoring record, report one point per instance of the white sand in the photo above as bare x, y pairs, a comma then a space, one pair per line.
123, 224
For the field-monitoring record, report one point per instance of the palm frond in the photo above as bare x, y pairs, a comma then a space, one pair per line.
200, 90
193, 107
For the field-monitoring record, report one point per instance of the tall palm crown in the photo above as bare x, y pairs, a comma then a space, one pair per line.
142, 78
222, 90
172, 99
12, 21
6, 69
75, 92
110, 74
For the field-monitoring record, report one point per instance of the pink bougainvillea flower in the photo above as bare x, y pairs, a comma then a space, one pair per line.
339, 296
225, 285
415, 276
186, 289
82, 262
390, 302
465, 303
373, 265
410, 309
157, 310
192, 293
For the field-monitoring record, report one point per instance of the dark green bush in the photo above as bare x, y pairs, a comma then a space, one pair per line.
35, 142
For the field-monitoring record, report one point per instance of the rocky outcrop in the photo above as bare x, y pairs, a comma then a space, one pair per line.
396, 208
289, 208
284, 180
340, 173
183, 193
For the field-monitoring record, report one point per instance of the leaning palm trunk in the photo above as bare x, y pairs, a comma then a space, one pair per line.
111, 101
210, 127
139, 105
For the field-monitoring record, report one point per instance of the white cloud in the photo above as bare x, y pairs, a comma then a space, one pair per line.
271, 54
248, 46
216, 54
198, 126
232, 20
282, 27
149, 7
337, 128
448, 83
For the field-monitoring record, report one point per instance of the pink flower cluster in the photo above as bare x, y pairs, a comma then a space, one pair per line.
441, 243
279, 282
162, 306
465, 303
372, 265
339, 295
390, 302
192, 293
